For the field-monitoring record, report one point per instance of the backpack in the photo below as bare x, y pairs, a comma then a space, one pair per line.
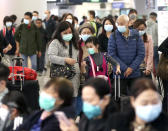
99, 74
4, 32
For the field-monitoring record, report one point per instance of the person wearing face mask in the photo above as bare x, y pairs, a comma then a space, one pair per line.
76, 23
146, 113
147, 65
28, 41
50, 24
132, 17
100, 60
63, 50
108, 27
13, 111
126, 47
96, 108
152, 29
35, 15
4, 73
8, 43
57, 95
70, 18
85, 31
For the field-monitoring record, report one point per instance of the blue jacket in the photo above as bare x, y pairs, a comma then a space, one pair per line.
128, 52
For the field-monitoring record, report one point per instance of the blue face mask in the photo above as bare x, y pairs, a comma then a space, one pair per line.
46, 102
67, 37
91, 51
122, 29
85, 37
91, 111
108, 28
26, 21
149, 113
141, 33
34, 18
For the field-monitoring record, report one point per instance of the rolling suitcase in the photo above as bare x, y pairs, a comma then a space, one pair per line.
29, 88
123, 101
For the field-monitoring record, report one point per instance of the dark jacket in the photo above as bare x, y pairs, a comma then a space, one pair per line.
29, 39
128, 52
103, 40
50, 27
50, 123
91, 125
2, 41
164, 47
162, 70
8, 38
44, 37
122, 122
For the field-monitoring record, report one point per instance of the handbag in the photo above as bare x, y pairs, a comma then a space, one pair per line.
67, 71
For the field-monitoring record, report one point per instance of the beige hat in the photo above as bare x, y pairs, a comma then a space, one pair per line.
86, 25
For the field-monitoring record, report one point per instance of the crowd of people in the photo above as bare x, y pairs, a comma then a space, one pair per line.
86, 59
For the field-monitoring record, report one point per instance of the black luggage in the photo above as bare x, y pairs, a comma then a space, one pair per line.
123, 101
30, 89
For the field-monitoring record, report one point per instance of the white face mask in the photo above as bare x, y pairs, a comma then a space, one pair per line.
149, 113
69, 20
3, 113
8, 24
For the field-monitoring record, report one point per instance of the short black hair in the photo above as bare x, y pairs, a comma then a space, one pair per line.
153, 14
92, 12
29, 14
39, 20
15, 99
92, 39
100, 85
36, 12
84, 17
63, 87
132, 11
4, 72
7, 19
14, 17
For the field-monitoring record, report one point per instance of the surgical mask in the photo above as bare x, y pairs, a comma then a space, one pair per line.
69, 20
122, 29
91, 111
91, 51
3, 113
132, 17
47, 102
8, 24
141, 33
149, 113
85, 37
34, 18
26, 21
108, 28
67, 37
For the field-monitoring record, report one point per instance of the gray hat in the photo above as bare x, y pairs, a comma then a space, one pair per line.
86, 25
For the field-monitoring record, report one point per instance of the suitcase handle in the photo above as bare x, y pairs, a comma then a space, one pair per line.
17, 58
115, 84
13, 76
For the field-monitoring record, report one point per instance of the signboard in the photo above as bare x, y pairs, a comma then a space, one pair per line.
118, 5
150, 4
162, 20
